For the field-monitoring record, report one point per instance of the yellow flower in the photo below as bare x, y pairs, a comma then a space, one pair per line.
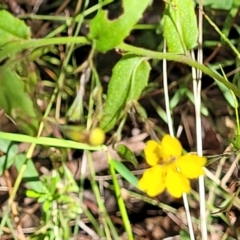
169, 168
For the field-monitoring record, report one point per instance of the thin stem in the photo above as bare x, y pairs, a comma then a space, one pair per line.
63, 18
166, 95
235, 102
197, 83
14, 47
24, 166
47, 141
102, 210
61, 79
234, 49
120, 201
170, 127
179, 58
189, 220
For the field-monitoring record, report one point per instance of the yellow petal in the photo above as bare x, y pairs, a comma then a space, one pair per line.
177, 183
171, 146
191, 165
153, 181
151, 152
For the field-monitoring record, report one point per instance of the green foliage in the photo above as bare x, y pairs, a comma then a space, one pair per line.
126, 154
16, 102
236, 142
13, 98
130, 76
47, 141
180, 26
12, 48
58, 197
107, 34
124, 172
182, 92
233, 11
184, 235
30, 175
75, 112
12, 29
11, 156
57, 192
9, 152
223, 4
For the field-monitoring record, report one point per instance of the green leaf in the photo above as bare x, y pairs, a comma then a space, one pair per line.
71, 183
28, 73
184, 235
48, 141
124, 172
236, 142
126, 154
46, 205
10, 151
32, 194
180, 26
139, 79
236, 77
109, 33
30, 175
11, 28
16, 103
232, 14
225, 206
226, 93
130, 76
4, 145
223, 4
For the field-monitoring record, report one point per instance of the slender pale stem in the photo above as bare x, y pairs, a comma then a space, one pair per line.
166, 95
189, 220
197, 82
